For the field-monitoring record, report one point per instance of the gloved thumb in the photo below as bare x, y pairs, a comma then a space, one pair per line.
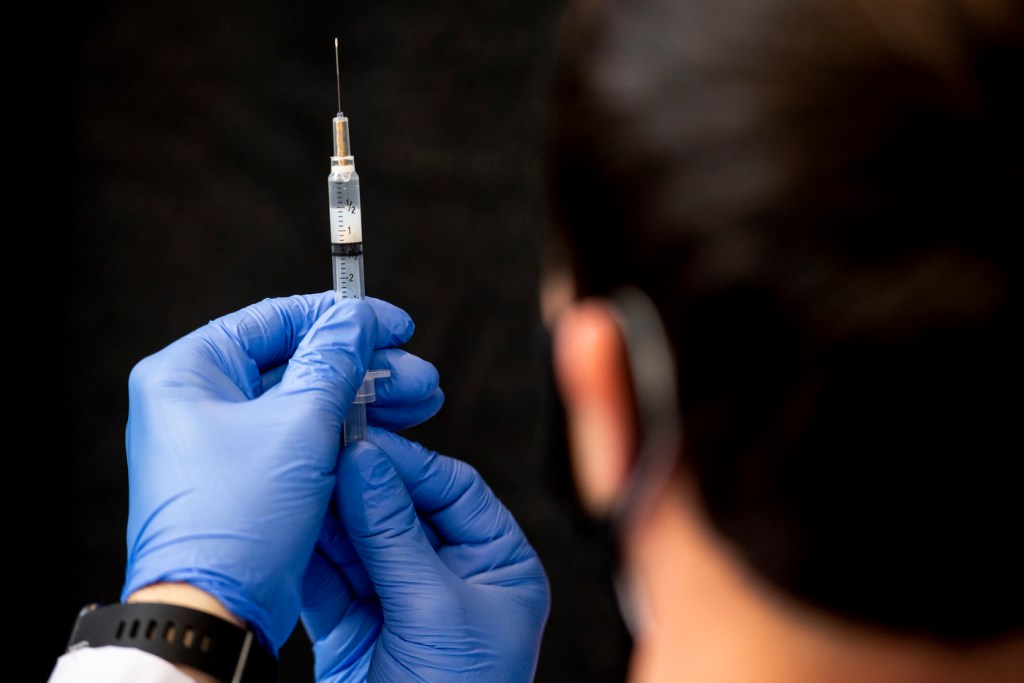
378, 514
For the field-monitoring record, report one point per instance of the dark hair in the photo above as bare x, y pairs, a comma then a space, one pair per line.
823, 201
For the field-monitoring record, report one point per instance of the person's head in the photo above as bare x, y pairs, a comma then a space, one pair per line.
821, 200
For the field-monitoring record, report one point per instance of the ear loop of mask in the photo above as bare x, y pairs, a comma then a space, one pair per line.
652, 370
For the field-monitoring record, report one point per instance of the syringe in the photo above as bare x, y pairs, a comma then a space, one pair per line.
347, 248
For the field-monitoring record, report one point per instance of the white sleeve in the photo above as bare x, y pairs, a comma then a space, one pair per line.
115, 665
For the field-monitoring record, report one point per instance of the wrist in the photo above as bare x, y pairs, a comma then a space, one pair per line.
184, 595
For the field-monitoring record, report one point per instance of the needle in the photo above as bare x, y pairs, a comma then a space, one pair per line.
337, 74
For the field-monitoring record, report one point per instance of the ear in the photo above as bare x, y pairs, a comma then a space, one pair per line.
593, 378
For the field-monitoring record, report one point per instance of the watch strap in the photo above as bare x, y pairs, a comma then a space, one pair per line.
181, 636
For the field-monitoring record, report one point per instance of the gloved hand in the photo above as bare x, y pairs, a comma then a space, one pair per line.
229, 481
455, 595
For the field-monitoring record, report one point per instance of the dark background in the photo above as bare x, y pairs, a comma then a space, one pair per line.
199, 135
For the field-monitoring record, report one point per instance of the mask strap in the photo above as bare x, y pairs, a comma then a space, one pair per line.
652, 371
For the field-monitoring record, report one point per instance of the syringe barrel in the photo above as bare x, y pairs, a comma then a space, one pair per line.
346, 230
347, 251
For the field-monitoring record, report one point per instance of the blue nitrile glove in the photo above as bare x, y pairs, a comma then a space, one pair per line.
429, 577
229, 482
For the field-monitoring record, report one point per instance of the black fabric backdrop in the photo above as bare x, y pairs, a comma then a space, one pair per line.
199, 139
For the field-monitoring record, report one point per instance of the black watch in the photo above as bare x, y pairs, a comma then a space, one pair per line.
181, 636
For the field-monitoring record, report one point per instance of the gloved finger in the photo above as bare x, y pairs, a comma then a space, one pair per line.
409, 395
458, 503
394, 325
378, 515
325, 596
397, 417
343, 630
336, 547
412, 379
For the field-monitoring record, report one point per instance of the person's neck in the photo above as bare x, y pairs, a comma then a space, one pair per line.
710, 619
